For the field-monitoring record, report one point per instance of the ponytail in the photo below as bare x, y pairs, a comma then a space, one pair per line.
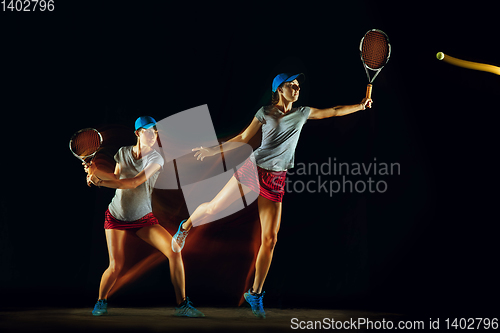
275, 98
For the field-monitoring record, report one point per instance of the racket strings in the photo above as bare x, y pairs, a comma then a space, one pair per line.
86, 143
375, 49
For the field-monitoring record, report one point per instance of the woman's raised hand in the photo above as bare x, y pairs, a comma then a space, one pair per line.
89, 169
366, 103
201, 152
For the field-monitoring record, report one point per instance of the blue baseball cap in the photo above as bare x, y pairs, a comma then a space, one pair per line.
144, 122
285, 77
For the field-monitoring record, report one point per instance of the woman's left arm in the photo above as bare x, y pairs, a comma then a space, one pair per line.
126, 183
340, 110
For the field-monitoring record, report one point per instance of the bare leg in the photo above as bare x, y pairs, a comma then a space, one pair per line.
159, 238
116, 249
222, 200
270, 219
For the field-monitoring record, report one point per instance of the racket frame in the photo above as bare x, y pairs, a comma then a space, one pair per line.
91, 156
376, 70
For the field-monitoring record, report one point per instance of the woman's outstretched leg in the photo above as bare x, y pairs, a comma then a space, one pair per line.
229, 194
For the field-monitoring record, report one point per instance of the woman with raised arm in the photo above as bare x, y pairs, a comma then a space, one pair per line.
281, 124
130, 212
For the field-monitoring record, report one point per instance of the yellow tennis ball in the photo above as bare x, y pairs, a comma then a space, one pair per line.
440, 55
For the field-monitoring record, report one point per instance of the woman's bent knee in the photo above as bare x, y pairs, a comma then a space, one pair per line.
270, 240
115, 269
211, 208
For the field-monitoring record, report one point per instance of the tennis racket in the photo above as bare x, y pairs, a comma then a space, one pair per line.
85, 143
375, 51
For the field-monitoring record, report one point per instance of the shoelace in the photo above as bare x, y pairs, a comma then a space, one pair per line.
182, 236
258, 300
190, 306
187, 307
100, 305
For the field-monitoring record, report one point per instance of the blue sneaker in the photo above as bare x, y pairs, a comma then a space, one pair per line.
100, 308
179, 238
186, 309
255, 301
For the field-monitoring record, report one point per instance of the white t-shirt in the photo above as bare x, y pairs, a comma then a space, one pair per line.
131, 204
280, 134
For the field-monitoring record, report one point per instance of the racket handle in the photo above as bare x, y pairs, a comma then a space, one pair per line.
369, 91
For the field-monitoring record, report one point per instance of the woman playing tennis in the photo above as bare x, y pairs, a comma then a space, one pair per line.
281, 124
130, 212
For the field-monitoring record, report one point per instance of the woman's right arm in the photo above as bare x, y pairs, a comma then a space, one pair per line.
235, 142
93, 169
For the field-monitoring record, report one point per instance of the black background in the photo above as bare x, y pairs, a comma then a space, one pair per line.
429, 243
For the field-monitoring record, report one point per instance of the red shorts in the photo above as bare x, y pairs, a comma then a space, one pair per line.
110, 222
269, 184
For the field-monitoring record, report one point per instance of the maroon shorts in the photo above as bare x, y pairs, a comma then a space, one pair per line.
269, 184
110, 222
